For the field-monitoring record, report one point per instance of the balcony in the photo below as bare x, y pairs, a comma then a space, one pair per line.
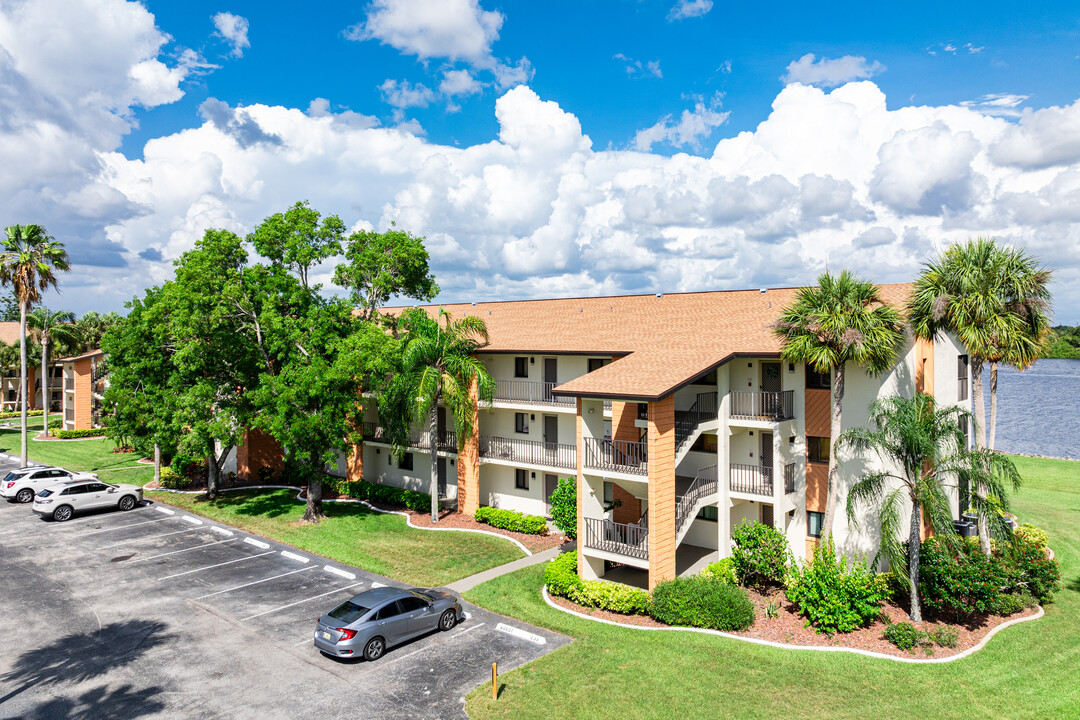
771, 406
616, 456
529, 392
529, 452
627, 539
751, 479
377, 433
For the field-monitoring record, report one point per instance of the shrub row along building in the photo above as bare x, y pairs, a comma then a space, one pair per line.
674, 413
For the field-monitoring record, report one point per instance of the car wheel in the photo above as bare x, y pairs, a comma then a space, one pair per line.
127, 502
374, 648
448, 620
25, 495
62, 513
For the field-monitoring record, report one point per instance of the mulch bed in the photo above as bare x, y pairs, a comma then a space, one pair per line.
789, 627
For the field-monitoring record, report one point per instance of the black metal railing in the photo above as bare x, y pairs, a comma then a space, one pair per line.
376, 433
607, 405
752, 479
704, 409
618, 455
447, 441
705, 484
762, 405
532, 452
530, 392
789, 478
619, 538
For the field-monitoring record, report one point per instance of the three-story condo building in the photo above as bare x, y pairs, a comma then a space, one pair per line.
674, 413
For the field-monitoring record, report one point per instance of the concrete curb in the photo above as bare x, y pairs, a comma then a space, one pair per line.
53, 438
783, 646
365, 503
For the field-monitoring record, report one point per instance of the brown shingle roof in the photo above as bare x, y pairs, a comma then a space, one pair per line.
89, 353
667, 340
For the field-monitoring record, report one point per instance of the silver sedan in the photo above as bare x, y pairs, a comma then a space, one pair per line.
369, 623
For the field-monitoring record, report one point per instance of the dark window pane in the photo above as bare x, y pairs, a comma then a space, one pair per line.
411, 603
389, 611
814, 520
521, 367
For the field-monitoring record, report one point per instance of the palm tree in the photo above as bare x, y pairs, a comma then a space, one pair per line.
994, 299
50, 326
927, 444
438, 364
28, 263
91, 327
842, 320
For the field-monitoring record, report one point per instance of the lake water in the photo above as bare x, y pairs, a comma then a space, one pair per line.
1038, 409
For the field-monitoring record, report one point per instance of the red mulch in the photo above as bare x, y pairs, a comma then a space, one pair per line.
790, 627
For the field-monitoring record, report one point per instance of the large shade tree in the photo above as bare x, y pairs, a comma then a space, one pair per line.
842, 321
438, 365
29, 261
50, 326
925, 445
379, 266
995, 300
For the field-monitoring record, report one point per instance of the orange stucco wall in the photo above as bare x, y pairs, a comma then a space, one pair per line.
258, 450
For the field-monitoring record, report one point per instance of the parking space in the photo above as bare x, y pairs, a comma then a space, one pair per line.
230, 612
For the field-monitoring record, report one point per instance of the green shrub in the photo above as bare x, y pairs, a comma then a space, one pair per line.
702, 602
722, 570
1009, 603
182, 463
511, 520
903, 635
386, 494
84, 433
944, 636
564, 507
960, 584
562, 579
835, 595
266, 475
1028, 568
760, 554
55, 422
18, 413
171, 480
1032, 534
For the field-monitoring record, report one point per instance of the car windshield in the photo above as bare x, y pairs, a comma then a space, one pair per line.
423, 596
348, 612
45, 493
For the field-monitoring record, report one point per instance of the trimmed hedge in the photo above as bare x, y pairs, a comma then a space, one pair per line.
84, 433
15, 414
172, 480
377, 492
511, 520
562, 580
702, 602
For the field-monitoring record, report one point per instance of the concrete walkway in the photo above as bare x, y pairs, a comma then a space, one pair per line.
473, 580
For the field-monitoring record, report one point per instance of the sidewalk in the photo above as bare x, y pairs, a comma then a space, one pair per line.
472, 581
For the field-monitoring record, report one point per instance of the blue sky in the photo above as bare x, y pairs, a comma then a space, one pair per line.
547, 149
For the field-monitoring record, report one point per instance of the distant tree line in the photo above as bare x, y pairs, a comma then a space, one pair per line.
1064, 342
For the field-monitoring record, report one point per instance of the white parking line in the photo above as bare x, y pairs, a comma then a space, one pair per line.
462, 632
391, 659
177, 552
298, 602
150, 537
294, 556
210, 567
121, 527
339, 571
256, 582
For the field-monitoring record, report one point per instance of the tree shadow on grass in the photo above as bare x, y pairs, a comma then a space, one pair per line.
266, 504
102, 703
80, 657
1074, 584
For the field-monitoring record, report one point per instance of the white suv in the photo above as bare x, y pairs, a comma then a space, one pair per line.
23, 484
61, 501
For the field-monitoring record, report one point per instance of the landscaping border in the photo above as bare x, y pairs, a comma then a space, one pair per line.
365, 503
784, 646
53, 438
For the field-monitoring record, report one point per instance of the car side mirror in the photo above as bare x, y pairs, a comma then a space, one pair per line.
112, 490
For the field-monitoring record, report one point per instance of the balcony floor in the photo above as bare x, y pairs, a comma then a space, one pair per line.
689, 560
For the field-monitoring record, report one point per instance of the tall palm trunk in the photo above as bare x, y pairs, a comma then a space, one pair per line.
913, 561
433, 440
45, 394
980, 442
157, 464
22, 378
993, 403
211, 475
833, 494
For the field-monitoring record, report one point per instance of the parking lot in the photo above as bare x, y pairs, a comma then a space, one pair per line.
157, 612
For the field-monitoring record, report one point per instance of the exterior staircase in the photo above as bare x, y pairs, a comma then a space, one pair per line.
703, 491
689, 424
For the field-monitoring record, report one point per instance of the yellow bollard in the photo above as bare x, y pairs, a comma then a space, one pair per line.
494, 681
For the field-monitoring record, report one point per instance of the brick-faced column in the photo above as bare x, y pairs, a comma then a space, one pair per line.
468, 462
661, 491
354, 469
83, 400
623, 415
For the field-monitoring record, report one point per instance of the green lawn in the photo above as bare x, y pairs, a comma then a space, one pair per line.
86, 455
1027, 671
354, 535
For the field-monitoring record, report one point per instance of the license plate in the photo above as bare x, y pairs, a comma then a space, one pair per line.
324, 635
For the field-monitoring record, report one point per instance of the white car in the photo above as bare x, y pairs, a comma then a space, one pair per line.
23, 484
61, 501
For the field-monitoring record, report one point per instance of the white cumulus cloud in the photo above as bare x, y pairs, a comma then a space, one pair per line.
453, 29
828, 72
690, 128
234, 30
688, 9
